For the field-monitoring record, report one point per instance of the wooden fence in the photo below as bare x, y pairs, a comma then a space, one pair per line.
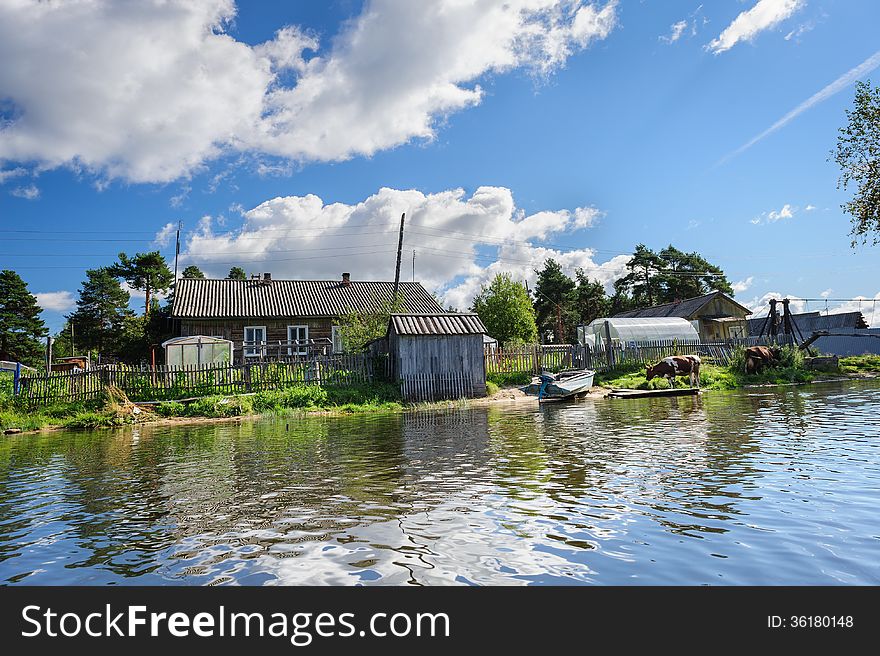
429, 387
534, 358
142, 383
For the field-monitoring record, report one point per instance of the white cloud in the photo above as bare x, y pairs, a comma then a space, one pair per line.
809, 208
787, 211
676, 30
163, 237
8, 174
56, 301
460, 241
150, 91
827, 92
30, 192
745, 27
800, 30
742, 285
826, 293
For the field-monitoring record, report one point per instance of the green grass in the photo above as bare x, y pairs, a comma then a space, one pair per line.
508, 378
858, 364
713, 377
491, 388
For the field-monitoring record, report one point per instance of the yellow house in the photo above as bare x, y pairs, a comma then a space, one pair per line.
714, 315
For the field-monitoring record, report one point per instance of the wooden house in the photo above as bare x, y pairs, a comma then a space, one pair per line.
715, 315
271, 318
437, 356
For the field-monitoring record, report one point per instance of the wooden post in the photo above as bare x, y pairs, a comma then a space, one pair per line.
609, 353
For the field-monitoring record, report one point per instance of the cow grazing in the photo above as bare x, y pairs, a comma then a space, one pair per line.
758, 357
676, 365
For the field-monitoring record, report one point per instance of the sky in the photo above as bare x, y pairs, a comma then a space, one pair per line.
289, 138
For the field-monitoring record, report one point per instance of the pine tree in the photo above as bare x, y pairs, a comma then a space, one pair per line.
102, 311
147, 272
554, 303
590, 302
20, 324
237, 273
192, 271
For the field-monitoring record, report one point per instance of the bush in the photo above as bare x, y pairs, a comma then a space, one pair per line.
170, 409
491, 388
509, 378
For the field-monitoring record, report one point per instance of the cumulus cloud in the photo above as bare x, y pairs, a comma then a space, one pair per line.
787, 211
56, 301
9, 174
150, 91
460, 241
742, 285
163, 236
765, 14
29, 192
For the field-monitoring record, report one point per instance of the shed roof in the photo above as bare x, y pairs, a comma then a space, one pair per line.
196, 298
686, 308
446, 323
807, 322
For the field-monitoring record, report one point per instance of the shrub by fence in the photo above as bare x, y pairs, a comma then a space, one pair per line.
534, 358
172, 383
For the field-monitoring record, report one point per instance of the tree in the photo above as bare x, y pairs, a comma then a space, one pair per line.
101, 313
858, 156
554, 303
147, 272
20, 324
590, 299
237, 273
358, 328
192, 271
506, 310
665, 277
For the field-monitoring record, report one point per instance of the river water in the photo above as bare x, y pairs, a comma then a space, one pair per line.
770, 486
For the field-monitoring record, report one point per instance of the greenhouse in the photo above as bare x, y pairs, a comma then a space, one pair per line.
628, 331
197, 350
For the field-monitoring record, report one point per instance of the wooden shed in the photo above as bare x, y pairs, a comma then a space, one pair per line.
437, 356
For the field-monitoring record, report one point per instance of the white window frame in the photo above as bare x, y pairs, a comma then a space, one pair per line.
253, 351
300, 350
336, 339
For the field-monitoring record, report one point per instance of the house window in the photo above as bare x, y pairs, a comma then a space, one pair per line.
336, 337
300, 335
254, 341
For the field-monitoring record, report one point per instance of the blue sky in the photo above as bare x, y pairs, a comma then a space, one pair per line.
508, 132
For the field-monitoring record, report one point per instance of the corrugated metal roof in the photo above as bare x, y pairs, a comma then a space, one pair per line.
220, 299
684, 309
446, 323
808, 322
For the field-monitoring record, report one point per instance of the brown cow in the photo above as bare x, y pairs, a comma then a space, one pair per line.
676, 365
758, 357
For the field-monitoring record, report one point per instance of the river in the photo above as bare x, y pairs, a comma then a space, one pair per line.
762, 486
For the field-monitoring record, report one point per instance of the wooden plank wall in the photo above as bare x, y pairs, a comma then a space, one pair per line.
435, 367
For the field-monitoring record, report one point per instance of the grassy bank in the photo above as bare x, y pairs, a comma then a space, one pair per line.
117, 411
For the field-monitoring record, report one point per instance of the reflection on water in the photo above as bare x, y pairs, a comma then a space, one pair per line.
761, 487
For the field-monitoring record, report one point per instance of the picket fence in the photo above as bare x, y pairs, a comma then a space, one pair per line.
535, 358
142, 383
430, 387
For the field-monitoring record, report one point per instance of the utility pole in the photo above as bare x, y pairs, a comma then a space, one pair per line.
177, 250
399, 253
72, 342
414, 265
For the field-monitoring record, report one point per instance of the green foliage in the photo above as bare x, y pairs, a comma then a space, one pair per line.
20, 324
508, 378
667, 276
858, 156
192, 271
220, 406
358, 328
491, 388
554, 303
590, 300
860, 364
101, 313
170, 409
506, 310
237, 273
147, 272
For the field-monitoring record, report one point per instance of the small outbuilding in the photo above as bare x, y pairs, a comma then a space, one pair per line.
624, 331
714, 315
197, 350
438, 356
